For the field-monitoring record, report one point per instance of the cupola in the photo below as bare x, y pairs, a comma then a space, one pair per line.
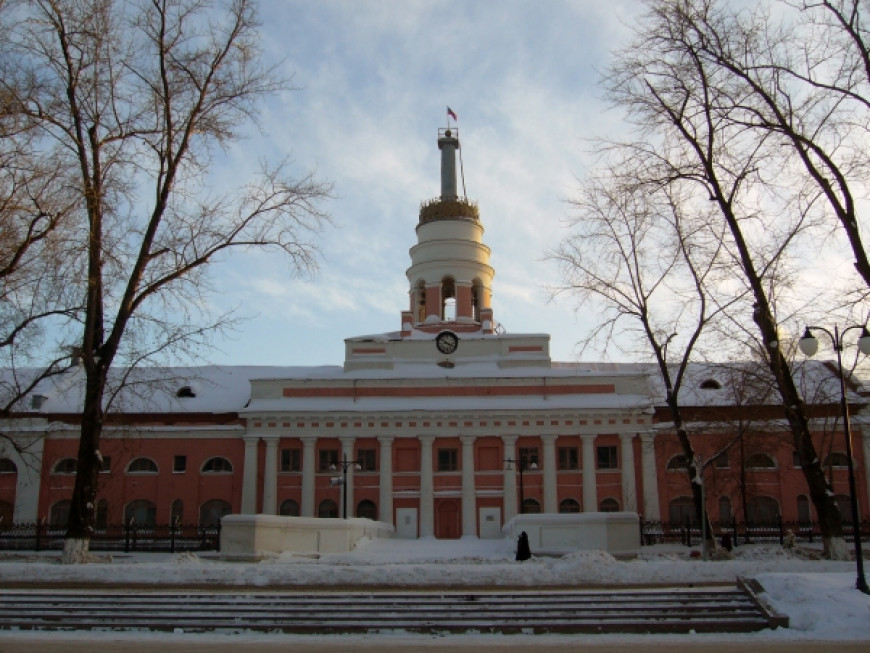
450, 277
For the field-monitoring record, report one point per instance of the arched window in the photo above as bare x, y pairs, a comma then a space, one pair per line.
142, 466
289, 508
186, 392
844, 503
327, 508
530, 507
59, 513
420, 298
724, 509
803, 510
142, 512
65, 466
217, 465
448, 300
102, 515
762, 510
569, 505
836, 459
176, 512
210, 512
608, 505
678, 462
367, 510
681, 509
711, 384
476, 299
760, 461
7, 512
7, 466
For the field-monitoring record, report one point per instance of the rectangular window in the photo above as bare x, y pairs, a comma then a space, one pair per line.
721, 461
179, 464
328, 458
291, 460
568, 458
447, 460
529, 458
366, 460
607, 457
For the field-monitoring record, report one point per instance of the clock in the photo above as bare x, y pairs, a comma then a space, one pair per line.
447, 342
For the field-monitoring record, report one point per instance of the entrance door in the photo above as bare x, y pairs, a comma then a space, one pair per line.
406, 523
447, 524
490, 523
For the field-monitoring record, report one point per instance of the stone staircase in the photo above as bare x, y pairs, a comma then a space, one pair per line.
652, 610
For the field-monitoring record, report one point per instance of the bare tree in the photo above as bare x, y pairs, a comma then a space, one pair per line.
40, 251
801, 79
138, 94
670, 86
634, 252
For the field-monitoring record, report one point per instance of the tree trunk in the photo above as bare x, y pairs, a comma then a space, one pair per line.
830, 524
82, 516
695, 474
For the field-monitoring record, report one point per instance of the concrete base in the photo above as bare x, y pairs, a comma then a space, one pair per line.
260, 536
617, 533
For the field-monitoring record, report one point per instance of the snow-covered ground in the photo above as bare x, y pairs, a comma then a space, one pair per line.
817, 595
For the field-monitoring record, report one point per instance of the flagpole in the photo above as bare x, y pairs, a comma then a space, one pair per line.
461, 167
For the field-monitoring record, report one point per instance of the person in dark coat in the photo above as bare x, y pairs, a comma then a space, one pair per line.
523, 550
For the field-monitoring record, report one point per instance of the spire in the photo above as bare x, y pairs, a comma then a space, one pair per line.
448, 145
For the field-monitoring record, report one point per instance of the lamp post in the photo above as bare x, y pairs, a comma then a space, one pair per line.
522, 464
342, 481
809, 345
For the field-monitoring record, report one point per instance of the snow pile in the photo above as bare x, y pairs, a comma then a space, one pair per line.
823, 605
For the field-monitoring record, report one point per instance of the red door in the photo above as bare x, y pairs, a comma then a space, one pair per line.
447, 520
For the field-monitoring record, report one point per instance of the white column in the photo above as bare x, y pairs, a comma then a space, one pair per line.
629, 482
385, 481
249, 478
28, 461
551, 501
270, 477
309, 467
590, 483
649, 476
347, 454
510, 477
427, 489
864, 434
469, 500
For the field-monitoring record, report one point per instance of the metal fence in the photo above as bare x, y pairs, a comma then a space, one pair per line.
115, 537
736, 533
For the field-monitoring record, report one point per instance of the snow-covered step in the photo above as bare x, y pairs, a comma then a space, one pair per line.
719, 609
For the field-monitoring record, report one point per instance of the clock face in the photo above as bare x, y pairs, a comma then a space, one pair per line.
447, 342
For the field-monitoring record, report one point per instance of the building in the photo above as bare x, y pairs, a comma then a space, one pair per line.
447, 427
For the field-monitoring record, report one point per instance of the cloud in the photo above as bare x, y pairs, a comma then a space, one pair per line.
375, 79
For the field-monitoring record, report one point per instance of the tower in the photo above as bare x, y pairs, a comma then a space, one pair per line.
450, 277
449, 321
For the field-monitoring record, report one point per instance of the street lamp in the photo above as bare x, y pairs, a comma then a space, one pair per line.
342, 480
809, 345
522, 464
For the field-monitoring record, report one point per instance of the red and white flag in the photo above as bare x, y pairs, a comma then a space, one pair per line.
452, 114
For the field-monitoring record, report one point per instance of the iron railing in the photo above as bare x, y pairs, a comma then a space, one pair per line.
40, 536
688, 532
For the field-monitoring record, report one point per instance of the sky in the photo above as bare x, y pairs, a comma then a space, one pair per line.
373, 79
